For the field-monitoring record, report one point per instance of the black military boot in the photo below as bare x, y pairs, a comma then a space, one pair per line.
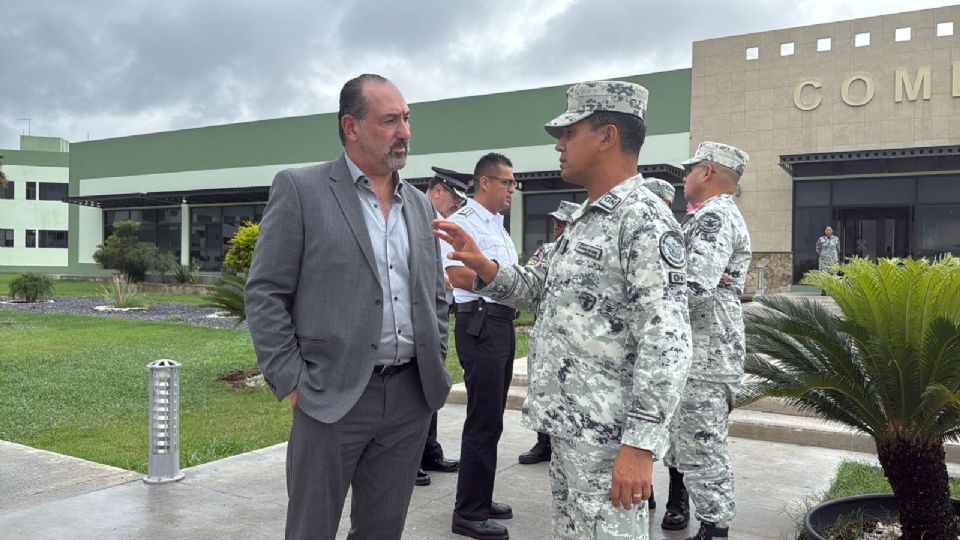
709, 531
677, 515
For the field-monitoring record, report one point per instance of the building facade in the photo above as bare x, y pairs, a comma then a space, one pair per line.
848, 124
34, 230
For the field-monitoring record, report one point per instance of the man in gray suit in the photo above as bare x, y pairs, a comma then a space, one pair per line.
346, 306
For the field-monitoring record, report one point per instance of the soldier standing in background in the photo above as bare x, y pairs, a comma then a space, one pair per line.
612, 337
661, 188
561, 216
718, 257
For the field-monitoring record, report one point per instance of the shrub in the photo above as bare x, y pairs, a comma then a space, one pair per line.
119, 292
165, 263
240, 254
228, 296
122, 251
31, 287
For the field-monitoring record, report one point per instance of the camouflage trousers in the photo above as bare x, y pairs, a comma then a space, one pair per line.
580, 478
698, 448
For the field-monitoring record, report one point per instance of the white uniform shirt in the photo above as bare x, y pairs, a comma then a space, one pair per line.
487, 231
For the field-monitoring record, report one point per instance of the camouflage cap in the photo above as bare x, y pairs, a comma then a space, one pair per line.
565, 211
660, 188
723, 154
460, 183
583, 99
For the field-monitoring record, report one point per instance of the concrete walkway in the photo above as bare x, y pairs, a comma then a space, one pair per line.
45, 495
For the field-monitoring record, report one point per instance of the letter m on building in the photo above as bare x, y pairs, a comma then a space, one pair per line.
914, 87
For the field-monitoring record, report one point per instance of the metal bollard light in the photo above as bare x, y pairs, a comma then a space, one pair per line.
163, 461
760, 285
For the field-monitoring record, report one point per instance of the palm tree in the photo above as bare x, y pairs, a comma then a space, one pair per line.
889, 366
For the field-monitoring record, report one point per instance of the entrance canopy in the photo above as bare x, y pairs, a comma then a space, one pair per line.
171, 198
865, 163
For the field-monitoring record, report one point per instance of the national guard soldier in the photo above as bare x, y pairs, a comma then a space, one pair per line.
718, 256
828, 250
612, 337
561, 216
485, 345
661, 188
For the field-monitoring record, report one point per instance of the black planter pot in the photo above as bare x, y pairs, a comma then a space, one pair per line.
826, 514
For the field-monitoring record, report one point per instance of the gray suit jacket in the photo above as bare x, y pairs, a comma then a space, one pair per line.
313, 297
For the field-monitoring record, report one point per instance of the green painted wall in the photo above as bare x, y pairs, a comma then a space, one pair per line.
504, 120
35, 158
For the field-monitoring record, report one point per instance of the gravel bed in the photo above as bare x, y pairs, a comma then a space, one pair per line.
160, 311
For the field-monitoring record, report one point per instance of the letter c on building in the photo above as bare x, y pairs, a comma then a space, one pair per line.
798, 92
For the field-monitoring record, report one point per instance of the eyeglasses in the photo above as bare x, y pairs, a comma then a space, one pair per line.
687, 169
509, 182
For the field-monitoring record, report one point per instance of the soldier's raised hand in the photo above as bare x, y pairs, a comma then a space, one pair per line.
465, 249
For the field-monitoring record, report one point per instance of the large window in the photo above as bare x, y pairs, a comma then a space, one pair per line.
7, 192
6, 237
212, 227
536, 223
50, 191
159, 228
52, 239
938, 230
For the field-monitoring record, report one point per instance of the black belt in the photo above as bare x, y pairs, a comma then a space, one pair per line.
392, 369
494, 310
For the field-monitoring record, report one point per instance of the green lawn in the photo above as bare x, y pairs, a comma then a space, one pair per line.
77, 385
855, 478
91, 289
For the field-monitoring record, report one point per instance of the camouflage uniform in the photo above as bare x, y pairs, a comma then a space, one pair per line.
828, 252
610, 350
718, 257
661, 188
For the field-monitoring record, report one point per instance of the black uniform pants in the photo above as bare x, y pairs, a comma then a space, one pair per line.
487, 362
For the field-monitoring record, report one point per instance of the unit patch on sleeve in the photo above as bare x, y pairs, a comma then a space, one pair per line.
709, 222
671, 249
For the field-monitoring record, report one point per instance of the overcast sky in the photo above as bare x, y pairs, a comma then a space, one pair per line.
94, 69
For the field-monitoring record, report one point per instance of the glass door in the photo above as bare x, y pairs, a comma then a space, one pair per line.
874, 232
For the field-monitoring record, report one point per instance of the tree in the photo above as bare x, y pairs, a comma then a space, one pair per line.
889, 366
122, 251
240, 255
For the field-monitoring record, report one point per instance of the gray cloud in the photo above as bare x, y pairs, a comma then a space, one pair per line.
110, 69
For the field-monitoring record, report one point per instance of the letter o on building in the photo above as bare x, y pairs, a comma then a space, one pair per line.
867, 94
798, 95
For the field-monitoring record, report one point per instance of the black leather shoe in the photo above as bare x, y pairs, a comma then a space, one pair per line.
423, 479
500, 511
483, 529
441, 465
539, 452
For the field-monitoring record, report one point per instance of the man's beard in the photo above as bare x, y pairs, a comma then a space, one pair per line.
394, 163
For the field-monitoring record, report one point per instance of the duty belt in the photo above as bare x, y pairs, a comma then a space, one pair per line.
494, 310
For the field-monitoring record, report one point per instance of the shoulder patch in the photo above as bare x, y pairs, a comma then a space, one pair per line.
672, 250
466, 211
709, 222
609, 201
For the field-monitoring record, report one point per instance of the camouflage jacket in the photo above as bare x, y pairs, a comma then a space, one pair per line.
718, 256
610, 350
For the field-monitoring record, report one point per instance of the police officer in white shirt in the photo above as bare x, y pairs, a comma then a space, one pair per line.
486, 345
